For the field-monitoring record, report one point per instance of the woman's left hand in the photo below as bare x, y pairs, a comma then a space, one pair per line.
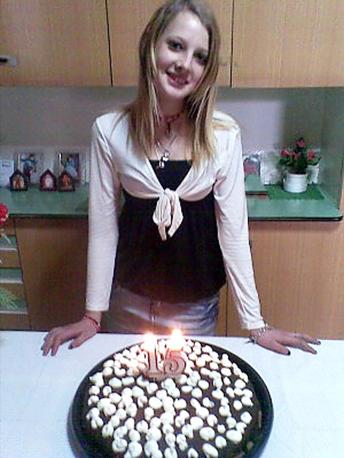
279, 341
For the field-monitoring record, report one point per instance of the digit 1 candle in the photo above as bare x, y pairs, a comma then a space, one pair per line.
150, 347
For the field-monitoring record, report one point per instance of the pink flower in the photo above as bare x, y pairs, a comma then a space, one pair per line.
300, 143
311, 155
285, 153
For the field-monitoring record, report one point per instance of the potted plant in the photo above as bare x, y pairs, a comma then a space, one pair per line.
296, 163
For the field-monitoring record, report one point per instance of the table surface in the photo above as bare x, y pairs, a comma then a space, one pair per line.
36, 393
35, 203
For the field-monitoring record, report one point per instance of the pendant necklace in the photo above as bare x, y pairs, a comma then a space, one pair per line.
166, 150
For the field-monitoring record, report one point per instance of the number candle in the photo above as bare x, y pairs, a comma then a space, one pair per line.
172, 363
175, 363
150, 346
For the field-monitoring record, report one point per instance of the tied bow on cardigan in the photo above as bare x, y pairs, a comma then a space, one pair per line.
168, 213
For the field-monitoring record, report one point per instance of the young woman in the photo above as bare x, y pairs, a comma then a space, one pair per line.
182, 231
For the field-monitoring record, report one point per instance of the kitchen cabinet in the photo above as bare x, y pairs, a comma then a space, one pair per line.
127, 19
299, 273
288, 43
56, 43
53, 254
265, 43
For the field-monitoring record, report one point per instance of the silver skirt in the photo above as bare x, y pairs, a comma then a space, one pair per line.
131, 313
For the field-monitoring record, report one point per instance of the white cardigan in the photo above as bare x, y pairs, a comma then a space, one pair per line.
115, 164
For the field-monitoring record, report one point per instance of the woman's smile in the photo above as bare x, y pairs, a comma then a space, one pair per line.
177, 80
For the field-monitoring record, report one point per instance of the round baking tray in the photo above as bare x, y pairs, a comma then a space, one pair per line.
84, 447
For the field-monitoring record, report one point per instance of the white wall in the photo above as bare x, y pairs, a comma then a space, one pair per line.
50, 119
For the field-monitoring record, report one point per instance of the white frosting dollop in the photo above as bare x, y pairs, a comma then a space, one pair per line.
151, 447
234, 436
210, 451
246, 417
119, 445
220, 442
196, 423
134, 450
207, 433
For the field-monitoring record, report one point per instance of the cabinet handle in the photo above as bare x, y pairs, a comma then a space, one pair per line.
8, 61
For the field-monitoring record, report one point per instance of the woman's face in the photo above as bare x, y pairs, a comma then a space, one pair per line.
181, 56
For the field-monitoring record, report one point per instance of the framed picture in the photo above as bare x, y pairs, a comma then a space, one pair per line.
18, 181
6, 170
47, 181
31, 165
74, 164
251, 164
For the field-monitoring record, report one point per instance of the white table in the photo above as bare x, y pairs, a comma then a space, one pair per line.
36, 393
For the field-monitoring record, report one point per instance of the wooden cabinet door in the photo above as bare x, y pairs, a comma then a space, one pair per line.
299, 273
127, 19
288, 43
53, 256
56, 43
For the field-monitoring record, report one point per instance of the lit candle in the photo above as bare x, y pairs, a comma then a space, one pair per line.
170, 364
174, 363
150, 346
176, 341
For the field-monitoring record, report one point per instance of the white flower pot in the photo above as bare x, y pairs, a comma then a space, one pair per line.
313, 173
294, 182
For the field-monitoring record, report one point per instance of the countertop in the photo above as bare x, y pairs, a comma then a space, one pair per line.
37, 204
36, 393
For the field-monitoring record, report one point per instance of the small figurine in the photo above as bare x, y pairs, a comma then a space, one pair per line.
29, 166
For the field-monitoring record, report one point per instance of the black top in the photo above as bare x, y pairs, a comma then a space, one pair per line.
184, 268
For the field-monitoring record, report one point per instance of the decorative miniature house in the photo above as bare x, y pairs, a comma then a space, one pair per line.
65, 182
47, 181
18, 181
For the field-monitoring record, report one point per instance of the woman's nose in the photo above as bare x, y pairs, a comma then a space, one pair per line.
184, 63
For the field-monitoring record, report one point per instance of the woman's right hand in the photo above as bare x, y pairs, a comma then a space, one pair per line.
77, 332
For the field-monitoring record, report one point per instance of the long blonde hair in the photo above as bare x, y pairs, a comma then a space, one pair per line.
199, 106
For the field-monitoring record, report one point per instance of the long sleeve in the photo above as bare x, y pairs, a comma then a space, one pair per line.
104, 198
231, 216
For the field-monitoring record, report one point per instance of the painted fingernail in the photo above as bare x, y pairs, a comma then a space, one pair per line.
288, 354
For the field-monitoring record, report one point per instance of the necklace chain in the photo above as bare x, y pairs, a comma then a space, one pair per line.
166, 150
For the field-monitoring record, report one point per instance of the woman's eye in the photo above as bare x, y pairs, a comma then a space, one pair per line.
202, 58
174, 45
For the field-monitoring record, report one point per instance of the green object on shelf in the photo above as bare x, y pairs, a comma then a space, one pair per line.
277, 192
9, 302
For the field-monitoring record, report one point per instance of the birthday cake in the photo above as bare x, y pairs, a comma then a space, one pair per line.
130, 406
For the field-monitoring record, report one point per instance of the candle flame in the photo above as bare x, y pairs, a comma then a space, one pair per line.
176, 341
149, 342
